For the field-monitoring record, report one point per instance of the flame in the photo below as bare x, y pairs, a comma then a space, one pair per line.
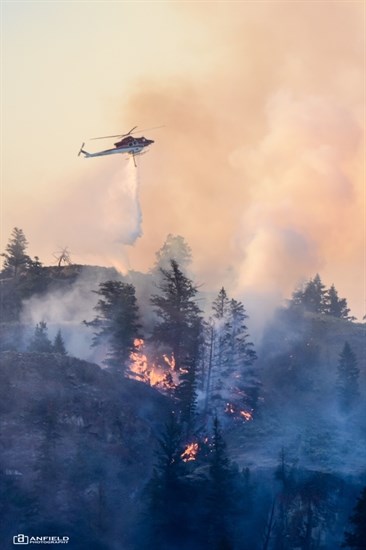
190, 452
245, 415
151, 374
170, 361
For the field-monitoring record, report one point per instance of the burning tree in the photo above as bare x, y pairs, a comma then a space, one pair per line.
232, 384
165, 491
117, 322
178, 330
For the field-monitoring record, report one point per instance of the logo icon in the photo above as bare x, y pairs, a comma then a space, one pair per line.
20, 539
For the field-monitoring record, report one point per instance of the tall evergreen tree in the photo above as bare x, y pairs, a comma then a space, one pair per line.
179, 330
165, 492
357, 537
177, 312
117, 322
218, 349
16, 261
347, 378
232, 383
243, 380
220, 504
335, 306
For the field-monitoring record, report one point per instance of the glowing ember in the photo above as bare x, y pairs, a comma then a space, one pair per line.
246, 415
190, 452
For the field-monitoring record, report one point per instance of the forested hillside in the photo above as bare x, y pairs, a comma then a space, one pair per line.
185, 434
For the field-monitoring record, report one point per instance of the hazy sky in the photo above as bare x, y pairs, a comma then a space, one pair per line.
260, 164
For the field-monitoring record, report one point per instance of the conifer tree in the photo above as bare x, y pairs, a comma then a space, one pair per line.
177, 312
59, 344
243, 380
311, 297
117, 322
347, 378
40, 342
220, 505
357, 537
231, 379
218, 349
165, 491
179, 331
16, 261
335, 306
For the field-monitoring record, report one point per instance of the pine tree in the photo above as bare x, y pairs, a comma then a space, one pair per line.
243, 380
232, 383
177, 312
220, 504
357, 538
16, 260
117, 322
165, 491
311, 297
335, 306
347, 378
219, 349
186, 391
40, 342
59, 344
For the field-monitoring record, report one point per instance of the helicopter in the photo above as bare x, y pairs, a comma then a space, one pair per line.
128, 144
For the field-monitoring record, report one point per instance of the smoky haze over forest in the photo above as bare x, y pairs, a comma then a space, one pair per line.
236, 426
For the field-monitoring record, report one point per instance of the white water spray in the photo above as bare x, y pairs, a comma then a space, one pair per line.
121, 211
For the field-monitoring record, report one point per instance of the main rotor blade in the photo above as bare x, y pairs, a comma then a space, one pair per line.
129, 133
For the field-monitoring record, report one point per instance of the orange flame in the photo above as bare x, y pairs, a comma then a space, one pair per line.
154, 375
246, 415
190, 452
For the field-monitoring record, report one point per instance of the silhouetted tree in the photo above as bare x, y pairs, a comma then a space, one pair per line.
357, 538
165, 491
347, 378
16, 261
117, 322
335, 306
220, 504
40, 342
59, 344
178, 314
311, 296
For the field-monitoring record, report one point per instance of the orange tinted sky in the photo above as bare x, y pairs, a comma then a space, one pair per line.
260, 165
